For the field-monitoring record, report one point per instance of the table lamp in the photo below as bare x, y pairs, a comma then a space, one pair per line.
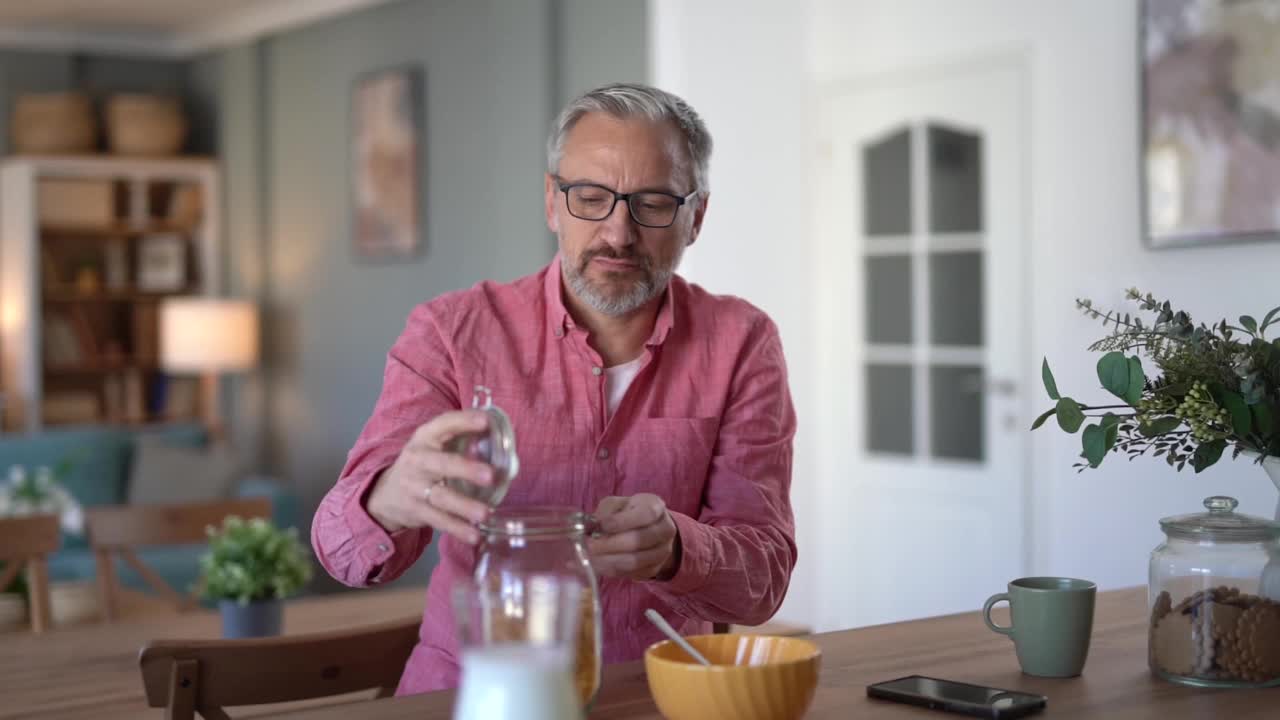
208, 336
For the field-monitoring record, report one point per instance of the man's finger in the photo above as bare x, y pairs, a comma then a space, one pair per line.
637, 513
644, 563
444, 498
609, 507
443, 428
630, 541
433, 465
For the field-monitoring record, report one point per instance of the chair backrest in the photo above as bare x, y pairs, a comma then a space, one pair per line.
204, 676
24, 543
119, 529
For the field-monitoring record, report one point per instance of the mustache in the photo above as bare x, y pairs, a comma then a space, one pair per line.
629, 255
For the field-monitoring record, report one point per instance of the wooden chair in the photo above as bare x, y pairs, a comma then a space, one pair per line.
203, 676
24, 542
118, 530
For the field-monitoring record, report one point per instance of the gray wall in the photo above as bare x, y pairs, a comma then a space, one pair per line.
495, 72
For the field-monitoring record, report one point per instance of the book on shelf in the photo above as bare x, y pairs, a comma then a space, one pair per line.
61, 343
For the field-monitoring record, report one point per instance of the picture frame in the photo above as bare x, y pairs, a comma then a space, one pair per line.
1209, 121
161, 263
386, 150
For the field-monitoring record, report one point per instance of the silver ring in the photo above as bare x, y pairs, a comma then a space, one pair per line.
426, 492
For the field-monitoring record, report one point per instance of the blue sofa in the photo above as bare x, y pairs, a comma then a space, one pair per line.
103, 460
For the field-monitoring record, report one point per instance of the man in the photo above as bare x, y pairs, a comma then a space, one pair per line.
634, 394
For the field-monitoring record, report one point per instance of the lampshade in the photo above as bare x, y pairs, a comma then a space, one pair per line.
201, 334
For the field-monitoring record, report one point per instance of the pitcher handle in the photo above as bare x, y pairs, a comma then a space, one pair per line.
986, 614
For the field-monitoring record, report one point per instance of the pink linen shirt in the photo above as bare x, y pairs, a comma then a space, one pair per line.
707, 424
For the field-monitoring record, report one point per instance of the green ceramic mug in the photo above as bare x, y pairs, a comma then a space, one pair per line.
1052, 623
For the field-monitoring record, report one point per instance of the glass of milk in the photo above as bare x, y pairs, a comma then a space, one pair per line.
517, 645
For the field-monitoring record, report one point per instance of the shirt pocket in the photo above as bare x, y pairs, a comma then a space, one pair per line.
670, 457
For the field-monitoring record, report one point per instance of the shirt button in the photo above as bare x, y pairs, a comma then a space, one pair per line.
596, 370
559, 332
382, 547
603, 453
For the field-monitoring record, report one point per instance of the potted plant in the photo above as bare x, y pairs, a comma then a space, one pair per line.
1213, 388
249, 568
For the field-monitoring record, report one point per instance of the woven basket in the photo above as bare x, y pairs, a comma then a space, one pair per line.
72, 603
145, 125
53, 123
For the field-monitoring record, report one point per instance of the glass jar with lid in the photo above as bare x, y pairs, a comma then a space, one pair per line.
519, 542
1212, 622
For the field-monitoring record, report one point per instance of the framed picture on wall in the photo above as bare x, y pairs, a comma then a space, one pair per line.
386, 163
1210, 121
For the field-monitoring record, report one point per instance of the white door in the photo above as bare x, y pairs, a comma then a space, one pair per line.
922, 198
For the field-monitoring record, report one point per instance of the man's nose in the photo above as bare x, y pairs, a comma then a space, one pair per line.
619, 229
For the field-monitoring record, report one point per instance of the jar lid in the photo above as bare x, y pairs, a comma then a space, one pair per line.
496, 447
1221, 524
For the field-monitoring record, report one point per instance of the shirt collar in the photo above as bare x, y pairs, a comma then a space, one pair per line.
560, 322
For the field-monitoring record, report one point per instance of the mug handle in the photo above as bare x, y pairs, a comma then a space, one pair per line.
986, 614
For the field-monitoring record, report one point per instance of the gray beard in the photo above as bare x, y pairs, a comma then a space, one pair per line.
616, 306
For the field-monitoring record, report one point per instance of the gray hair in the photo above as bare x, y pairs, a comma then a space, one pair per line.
624, 100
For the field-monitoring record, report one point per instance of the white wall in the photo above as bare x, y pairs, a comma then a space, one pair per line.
729, 62
753, 68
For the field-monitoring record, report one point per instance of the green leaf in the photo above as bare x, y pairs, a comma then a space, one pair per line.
1113, 371
1111, 426
1094, 442
1070, 416
1263, 420
1159, 426
1050, 385
1241, 418
1248, 323
1137, 382
1270, 318
1207, 454
1040, 420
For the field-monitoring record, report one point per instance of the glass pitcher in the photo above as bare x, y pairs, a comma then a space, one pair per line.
517, 542
516, 648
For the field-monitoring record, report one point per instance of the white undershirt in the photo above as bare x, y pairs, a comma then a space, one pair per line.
616, 381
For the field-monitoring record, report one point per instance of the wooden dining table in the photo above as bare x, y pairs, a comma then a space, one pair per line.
91, 672
1116, 684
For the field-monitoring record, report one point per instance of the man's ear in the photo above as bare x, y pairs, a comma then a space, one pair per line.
698, 215
550, 191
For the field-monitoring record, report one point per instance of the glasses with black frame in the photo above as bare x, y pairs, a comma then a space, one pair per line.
650, 208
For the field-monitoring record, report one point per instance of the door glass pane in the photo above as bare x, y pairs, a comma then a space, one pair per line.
956, 412
889, 409
955, 180
955, 298
886, 185
888, 300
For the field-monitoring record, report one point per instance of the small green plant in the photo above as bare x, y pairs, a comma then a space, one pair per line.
1217, 387
253, 560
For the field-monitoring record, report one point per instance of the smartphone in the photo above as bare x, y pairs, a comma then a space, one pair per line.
957, 697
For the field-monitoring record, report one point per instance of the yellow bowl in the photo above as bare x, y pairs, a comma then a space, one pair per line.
752, 677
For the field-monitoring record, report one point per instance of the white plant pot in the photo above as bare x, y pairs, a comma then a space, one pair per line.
1272, 466
1270, 585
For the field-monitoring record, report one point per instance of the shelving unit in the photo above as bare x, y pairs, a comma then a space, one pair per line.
89, 247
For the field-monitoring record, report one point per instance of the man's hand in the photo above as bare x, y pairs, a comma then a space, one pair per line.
638, 539
411, 493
